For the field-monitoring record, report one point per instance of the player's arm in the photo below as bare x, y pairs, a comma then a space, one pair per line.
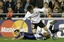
14, 38
40, 10
21, 37
17, 38
25, 18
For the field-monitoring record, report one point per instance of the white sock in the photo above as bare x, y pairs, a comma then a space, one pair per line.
50, 33
37, 36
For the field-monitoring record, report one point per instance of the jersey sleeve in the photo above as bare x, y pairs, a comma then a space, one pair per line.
39, 10
27, 16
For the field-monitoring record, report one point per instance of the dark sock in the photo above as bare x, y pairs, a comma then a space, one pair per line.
53, 31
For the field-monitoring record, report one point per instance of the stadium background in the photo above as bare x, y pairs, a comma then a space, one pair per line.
12, 10
8, 26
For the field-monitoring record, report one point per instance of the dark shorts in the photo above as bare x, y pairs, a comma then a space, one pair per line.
40, 24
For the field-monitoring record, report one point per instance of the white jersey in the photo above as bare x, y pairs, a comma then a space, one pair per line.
41, 10
34, 17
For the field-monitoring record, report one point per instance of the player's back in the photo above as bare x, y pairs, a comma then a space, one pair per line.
28, 36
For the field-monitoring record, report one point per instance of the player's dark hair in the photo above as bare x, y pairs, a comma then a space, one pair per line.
17, 30
29, 8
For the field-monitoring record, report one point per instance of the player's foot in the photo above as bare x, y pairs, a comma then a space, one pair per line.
41, 38
44, 38
54, 37
52, 23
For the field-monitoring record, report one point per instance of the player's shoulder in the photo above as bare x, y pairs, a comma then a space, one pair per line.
35, 9
27, 13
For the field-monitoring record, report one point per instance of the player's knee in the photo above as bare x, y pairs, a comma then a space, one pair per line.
45, 29
34, 30
47, 35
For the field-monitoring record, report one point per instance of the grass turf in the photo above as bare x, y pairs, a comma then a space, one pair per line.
2, 39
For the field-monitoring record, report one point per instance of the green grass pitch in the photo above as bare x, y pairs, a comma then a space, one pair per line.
2, 39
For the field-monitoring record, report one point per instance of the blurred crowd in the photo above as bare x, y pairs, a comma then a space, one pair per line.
16, 6
20, 6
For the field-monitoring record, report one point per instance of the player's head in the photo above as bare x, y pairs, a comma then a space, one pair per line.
30, 8
17, 32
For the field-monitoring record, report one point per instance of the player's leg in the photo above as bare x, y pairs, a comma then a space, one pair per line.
44, 34
42, 26
54, 31
39, 31
38, 37
34, 28
50, 28
51, 25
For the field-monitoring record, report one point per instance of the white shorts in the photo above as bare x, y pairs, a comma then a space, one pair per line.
37, 36
40, 30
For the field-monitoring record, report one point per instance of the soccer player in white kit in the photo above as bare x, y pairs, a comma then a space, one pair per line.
35, 19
